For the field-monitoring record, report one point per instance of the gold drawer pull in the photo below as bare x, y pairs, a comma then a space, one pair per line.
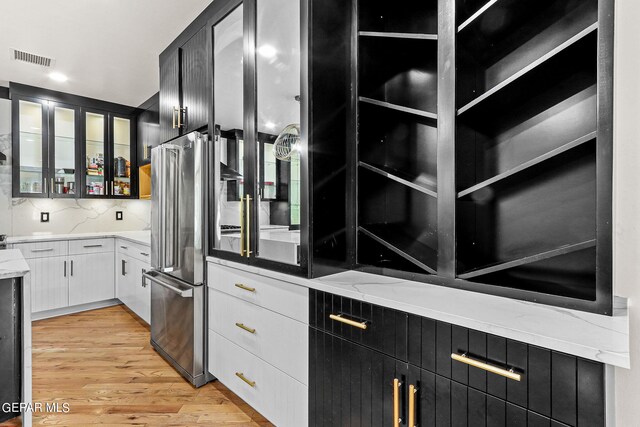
412, 405
246, 328
245, 287
339, 318
243, 378
396, 403
507, 373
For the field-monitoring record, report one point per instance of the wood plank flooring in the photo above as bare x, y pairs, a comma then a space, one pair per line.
101, 363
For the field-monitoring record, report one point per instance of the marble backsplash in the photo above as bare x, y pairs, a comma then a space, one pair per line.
20, 217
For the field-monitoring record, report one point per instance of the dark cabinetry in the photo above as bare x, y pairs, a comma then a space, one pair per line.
148, 129
184, 96
484, 145
67, 146
385, 365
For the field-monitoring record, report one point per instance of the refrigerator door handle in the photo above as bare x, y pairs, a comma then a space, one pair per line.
184, 293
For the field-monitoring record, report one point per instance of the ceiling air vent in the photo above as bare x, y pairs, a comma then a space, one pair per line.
31, 58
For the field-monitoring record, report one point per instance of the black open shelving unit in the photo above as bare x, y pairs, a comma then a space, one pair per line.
484, 145
397, 83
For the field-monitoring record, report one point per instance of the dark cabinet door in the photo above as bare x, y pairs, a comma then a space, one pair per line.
170, 101
30, 147
195, 92
148, 125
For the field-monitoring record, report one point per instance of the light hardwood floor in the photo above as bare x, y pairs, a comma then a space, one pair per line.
101, 363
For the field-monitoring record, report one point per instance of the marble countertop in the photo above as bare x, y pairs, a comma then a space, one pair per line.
141, 237
596, 337
12, 264
274, 235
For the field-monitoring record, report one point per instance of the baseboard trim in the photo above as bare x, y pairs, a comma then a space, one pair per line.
75, 309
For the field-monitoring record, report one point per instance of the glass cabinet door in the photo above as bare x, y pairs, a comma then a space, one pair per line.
95, 180
63, 174
32, 165
229, 186
121, 158
278, 125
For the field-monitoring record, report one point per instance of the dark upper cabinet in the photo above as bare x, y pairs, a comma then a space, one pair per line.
72, 147
148, 124
169, 95
184, 105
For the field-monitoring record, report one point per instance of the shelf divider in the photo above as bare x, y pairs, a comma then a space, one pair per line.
526, 165
396, 107
385, 34
476, 15
567, 249
535, 64
396, 178
396, 250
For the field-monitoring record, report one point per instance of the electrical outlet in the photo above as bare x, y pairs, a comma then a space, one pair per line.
119, 216
44, 216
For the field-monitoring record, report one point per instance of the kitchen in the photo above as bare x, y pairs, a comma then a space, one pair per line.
319, 213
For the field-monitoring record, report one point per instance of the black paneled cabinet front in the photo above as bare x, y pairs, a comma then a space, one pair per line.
184, 105
399, 371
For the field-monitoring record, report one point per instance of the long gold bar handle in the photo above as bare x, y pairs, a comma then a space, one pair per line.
246, 328
243, 378
241, 225
173, 117
248, 233
396, 403
245, 287
412, 405
339, 318
507, 373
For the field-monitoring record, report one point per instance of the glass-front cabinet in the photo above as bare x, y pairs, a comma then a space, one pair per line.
45, 145
258, 142
68, 151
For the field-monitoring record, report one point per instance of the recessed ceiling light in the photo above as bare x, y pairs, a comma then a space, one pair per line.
270, 125
267, 51
58, 77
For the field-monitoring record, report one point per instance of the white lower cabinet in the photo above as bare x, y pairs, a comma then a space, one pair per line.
134, 292
277, 396
259, 341
91, 278
49, 282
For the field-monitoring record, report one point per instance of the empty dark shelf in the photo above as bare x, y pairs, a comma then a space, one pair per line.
540, 70
395, 175
529, 259
393, 238
526, 165
399, 108
387, 34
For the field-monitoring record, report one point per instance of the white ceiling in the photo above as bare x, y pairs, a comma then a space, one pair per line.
108, 48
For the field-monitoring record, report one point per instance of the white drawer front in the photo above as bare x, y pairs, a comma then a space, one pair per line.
90, 246
43, 249
285, 298
268, 334
135, 250
277, 396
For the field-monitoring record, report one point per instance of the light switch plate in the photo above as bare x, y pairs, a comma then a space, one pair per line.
119, 216
44, 216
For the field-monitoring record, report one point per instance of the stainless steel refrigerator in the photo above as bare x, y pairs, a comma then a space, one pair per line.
178, 316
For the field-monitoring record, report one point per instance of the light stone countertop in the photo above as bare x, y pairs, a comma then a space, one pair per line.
596, 337
12, 264
141, 237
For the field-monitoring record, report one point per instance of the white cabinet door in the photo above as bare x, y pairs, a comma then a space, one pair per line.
141, 304
91, 278
124, 279
49, 283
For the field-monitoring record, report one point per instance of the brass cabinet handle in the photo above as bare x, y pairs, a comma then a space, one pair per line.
173, 118
242, 250
52, 187
182, 113
245, 287
248, 231
396, 403
507, 373
339, 318
246, 328
245, 379
412, 405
